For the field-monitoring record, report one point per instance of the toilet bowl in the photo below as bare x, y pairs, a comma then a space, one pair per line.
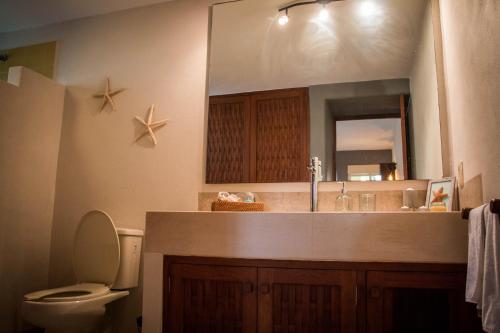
106, 264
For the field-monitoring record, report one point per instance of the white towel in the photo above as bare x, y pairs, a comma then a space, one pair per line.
491, 277
475, 265
483, 268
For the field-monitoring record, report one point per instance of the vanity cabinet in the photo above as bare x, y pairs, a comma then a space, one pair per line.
305, 300
207, 298
418, 302
272, 296
258, 137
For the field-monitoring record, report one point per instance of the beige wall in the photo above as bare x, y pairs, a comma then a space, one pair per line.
472, 68
159, 54
31, 113
427, 161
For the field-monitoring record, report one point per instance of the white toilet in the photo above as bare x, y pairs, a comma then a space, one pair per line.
106, 263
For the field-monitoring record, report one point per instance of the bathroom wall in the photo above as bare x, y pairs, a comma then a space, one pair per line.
31, 112
159, 54
471, 46
427, 160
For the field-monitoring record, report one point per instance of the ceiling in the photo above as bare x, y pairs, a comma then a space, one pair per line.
250, 51
370, 134
25, 14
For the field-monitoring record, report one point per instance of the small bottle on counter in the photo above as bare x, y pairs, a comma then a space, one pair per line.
344, 201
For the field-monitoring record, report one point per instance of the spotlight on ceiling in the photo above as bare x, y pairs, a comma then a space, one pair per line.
323, 15
367, 8
283, 20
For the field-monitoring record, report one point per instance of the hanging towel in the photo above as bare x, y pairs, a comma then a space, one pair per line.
475, 264
491, 278
483, 268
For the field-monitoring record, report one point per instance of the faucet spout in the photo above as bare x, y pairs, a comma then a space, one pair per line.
316, 177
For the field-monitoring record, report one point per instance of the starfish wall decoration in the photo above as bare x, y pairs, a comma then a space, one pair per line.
107, 96
150, 125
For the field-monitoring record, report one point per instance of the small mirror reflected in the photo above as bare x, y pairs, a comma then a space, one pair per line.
369, 149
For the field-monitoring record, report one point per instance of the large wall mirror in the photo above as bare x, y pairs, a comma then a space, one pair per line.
353, 82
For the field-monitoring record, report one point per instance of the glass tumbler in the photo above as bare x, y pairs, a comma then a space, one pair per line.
367, 202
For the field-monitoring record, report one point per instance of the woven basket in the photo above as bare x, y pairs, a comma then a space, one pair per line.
227, 206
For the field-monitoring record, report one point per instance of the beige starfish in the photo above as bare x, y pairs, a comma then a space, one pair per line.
150, 125
107, 96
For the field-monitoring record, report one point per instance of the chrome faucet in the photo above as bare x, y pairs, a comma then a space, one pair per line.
316, 177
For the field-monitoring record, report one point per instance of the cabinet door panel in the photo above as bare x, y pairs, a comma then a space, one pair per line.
299, 300
218, 299
281, 143
228, 140
418, 302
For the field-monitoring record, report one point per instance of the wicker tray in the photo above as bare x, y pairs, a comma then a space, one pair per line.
226, 206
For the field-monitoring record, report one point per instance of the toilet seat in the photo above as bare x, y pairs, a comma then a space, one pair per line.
96, 258
96, 249
77, 292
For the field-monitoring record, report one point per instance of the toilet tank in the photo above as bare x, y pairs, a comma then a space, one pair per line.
130, 258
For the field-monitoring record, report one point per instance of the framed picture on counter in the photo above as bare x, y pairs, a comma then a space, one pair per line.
441, 194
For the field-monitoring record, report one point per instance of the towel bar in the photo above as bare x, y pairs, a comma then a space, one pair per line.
494, 208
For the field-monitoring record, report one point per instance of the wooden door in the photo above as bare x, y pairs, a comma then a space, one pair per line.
280, 146
301, 300
228, 140
418, 302
212, 299
404, 136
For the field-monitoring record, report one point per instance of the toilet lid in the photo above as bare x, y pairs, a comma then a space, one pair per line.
96, 254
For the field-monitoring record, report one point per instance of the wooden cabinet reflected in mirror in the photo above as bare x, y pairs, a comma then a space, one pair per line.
258, 137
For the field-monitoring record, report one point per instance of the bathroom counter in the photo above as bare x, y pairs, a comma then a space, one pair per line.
381, 237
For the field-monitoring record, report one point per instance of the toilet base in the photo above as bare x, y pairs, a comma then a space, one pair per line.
88, 316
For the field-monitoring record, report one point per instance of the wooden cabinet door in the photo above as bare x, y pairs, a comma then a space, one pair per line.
407, 302
307, 301
228, 140
281, 141
212, 299
258, 137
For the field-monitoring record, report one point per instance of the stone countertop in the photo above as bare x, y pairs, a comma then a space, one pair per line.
367, 237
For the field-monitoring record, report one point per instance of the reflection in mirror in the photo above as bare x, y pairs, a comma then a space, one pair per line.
369, 149
353, 82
